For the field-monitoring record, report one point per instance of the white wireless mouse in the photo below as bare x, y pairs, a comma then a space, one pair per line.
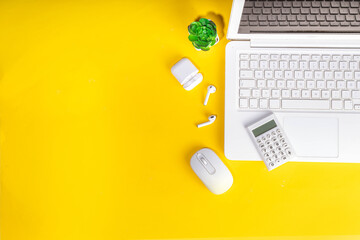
211, 170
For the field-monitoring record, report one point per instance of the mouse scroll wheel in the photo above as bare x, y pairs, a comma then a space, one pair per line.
203, 160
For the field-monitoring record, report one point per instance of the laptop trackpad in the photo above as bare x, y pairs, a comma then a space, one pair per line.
313, 137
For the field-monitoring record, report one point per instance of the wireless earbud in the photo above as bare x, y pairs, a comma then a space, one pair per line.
212, 119
211, 89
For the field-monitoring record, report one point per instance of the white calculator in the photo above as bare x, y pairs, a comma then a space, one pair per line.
271, 142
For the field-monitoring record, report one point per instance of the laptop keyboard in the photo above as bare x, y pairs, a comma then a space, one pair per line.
300, 16
299, 80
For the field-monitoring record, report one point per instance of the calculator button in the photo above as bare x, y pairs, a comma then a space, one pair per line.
262, 146
282, 140
275, 156
271, 164
273, 139
273, 133
263, 138
282, 153
280, 136
284, 145
284, 158
278, 161
259, 140
277, 144
267, 142
279, 149
268, 160
272, 152
270, 147
266, 155
268, 135
278, 131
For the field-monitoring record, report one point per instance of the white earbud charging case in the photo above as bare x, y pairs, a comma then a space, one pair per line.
187, 74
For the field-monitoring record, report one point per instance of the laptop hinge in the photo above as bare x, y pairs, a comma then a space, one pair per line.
303, 43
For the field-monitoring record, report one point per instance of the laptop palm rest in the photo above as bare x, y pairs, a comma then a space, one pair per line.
313, 136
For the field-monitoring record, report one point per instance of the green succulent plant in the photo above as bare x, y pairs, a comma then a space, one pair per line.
203, 34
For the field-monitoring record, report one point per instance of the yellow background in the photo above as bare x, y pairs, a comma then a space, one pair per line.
96, 134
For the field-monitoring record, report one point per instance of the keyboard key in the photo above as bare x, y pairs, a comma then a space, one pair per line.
245, 93
271, 84
263, 103
348, 75
253, 103
356, 94
318, 75
329, 75
357, 75
259, 74
275, 93
246, 74
351, 84
268, 74
330, 84
336, 104
338, 75
348, 104
299, 74
265, 93
295, 93
290, 84
285, 93
264, 64
320, 84
325, 94
310, 84
300, 84
243, 103
280, 84
315, 94
244, 64
345, 94
247, 83
278, 74
306, 104
261, 83
288, 74
244, 56
274, 103
254, 64
255, 93
341, 84
273, 65
305, 93
335, 94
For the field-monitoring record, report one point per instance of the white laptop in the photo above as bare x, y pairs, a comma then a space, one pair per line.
306, 72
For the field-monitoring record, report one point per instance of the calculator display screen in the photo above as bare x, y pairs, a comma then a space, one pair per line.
264, 128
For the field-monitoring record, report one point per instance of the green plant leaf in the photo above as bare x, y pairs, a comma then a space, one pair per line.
202, 43
204, 21
205, 48
212, 24
210, 27
193, 37
195, 45
193, 27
